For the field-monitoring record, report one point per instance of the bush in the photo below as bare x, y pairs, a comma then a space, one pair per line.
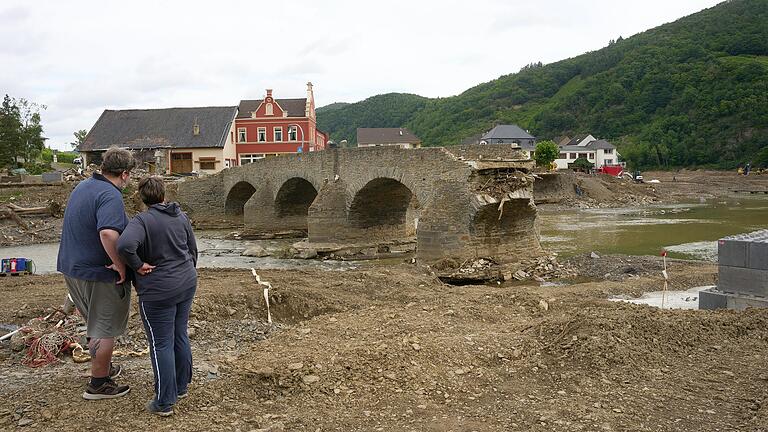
37, 168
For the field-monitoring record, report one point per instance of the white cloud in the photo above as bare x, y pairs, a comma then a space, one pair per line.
81, 57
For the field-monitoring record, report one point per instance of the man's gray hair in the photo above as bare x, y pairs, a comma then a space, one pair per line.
117, 160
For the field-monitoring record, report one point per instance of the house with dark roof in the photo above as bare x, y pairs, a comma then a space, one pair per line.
177, 140
387, 137
270, 127
599, 152
513, 135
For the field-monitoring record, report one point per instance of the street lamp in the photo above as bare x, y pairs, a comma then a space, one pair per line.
302, 134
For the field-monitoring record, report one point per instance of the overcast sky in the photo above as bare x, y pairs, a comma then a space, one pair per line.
81, 57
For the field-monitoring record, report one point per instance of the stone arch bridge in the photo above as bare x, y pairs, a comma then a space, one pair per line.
459, 202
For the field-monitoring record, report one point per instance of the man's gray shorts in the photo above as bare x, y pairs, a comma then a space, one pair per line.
104, 305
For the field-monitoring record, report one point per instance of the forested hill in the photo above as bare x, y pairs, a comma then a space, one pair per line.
690, 93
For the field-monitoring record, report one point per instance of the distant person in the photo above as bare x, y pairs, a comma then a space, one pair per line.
160, 246
93, 270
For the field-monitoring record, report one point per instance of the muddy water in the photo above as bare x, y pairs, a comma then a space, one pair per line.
685, 230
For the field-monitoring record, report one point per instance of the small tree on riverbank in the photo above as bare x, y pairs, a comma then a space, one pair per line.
546, 153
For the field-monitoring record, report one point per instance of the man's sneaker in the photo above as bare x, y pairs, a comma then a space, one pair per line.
108, 390
157, 410
114, 370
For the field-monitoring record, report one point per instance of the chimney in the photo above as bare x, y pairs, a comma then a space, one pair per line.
269, 93
309, 109
196, 128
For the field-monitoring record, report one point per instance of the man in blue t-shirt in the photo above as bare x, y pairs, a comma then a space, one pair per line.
93, 270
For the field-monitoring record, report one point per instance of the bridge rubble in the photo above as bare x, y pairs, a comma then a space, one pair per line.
457, 205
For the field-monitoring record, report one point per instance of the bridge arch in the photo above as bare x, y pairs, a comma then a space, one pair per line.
292, 202
237, 196
504, 228
384, 207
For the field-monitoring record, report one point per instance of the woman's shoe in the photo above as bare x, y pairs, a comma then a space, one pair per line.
157, 410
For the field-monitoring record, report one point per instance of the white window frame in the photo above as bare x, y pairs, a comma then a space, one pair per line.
250, 158
261, 133
608, 151
275, 131
244, 131
293, 133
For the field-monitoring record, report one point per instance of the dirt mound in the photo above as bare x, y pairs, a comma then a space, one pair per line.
591, 190
624, 334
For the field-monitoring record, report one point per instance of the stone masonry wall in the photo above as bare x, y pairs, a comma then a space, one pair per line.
443, 200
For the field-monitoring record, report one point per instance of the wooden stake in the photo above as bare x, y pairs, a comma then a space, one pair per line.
664, 272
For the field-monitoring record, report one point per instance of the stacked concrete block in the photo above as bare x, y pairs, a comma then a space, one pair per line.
742, 273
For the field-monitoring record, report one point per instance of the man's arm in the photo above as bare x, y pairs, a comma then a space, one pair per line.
191, 243
109, 241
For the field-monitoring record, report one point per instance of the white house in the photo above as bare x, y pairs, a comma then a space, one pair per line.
600, 152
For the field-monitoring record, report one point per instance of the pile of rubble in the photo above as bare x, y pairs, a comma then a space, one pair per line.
483, 270
542, 269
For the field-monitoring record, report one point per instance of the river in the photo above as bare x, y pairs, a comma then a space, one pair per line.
688, 230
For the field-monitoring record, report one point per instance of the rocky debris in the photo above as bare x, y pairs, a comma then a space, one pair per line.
481, 270
310, 379
255, 251
307, 254
546, 268
246, 234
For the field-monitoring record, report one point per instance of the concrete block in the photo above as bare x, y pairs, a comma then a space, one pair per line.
712, 299
732, 252
52, 177
743, 281
758, 255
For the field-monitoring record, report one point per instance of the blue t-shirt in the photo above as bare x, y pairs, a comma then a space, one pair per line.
95, 204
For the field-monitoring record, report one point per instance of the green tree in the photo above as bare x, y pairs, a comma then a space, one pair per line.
21, 133
79, 138
10, 131
32, 140
546, 153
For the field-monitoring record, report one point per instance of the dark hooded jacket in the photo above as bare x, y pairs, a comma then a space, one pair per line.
161, 236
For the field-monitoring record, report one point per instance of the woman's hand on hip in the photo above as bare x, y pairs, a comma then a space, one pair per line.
145, 269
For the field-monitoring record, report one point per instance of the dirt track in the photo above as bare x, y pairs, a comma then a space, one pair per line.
394, 349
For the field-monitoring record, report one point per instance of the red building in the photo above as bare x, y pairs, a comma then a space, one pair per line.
270, 127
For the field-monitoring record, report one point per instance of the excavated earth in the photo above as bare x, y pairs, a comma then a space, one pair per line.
394, 349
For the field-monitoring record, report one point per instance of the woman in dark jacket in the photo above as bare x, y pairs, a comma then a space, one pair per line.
159, 246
